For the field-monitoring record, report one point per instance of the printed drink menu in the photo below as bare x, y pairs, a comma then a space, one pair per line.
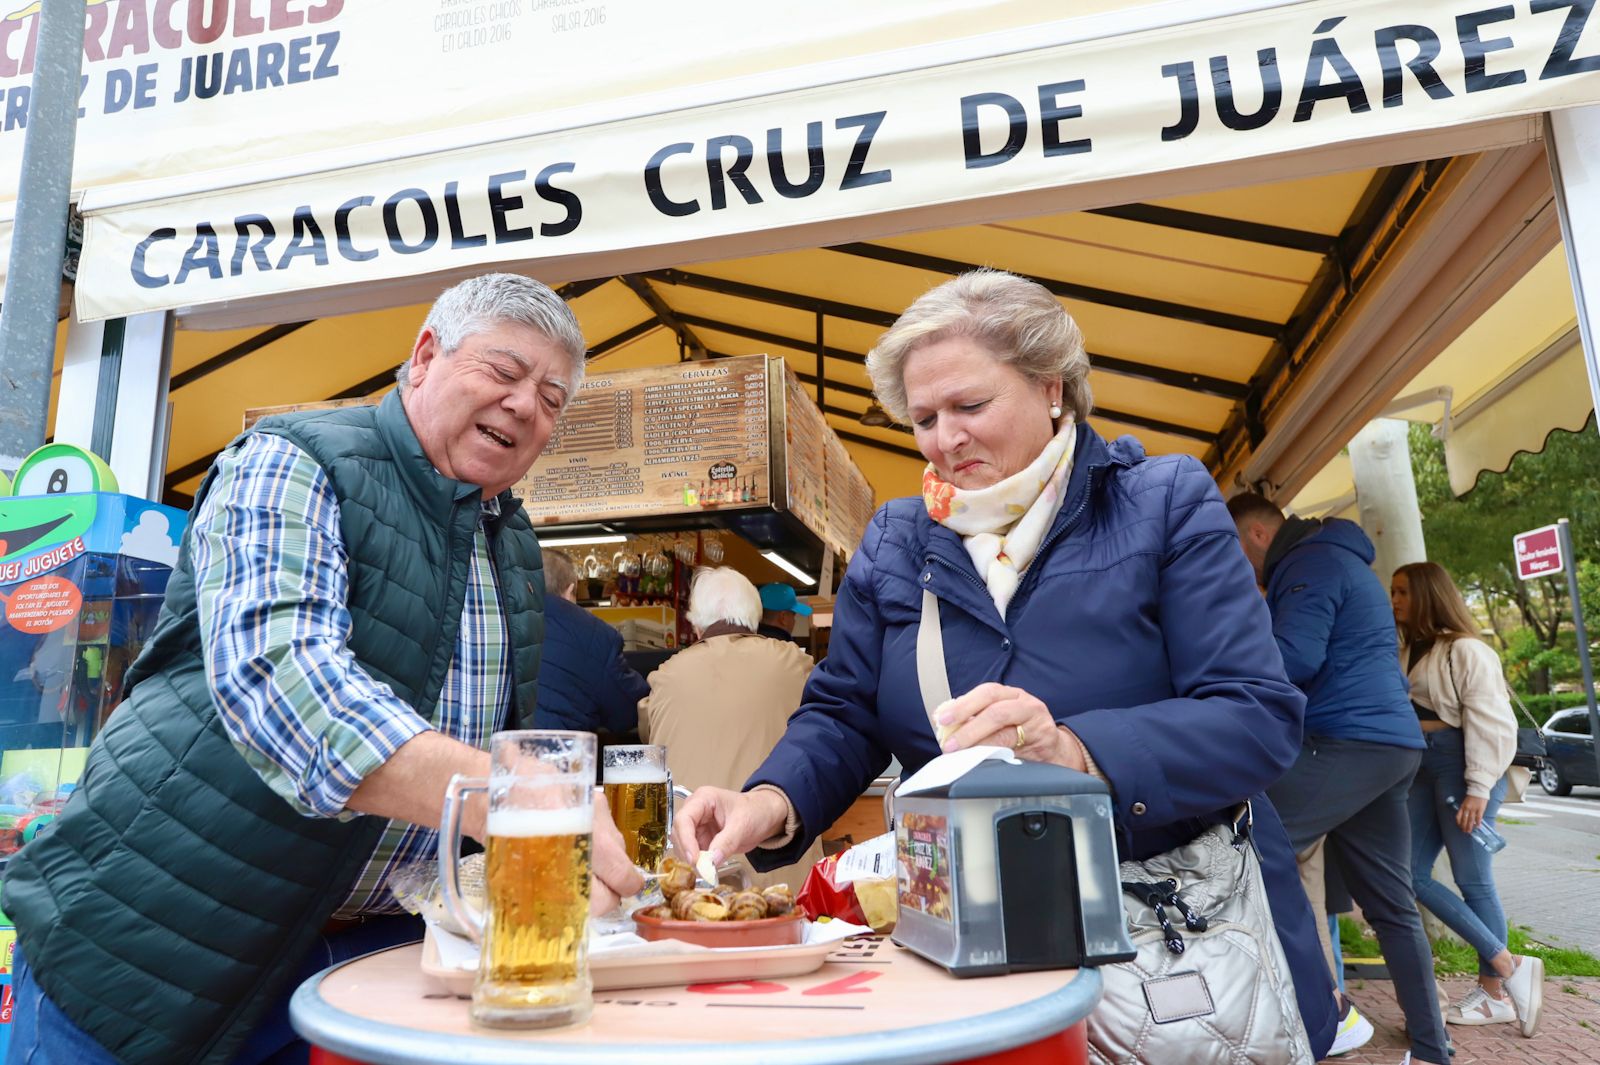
659, 440
806, 443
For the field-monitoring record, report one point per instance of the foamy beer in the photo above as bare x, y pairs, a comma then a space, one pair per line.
638, 793
533, 963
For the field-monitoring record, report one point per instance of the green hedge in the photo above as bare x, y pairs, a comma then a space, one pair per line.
1542, 706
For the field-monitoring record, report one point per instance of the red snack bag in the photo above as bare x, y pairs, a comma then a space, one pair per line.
822, 896
858, 885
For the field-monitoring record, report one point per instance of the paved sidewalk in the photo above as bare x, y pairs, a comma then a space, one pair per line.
1569, 1028
1549, 873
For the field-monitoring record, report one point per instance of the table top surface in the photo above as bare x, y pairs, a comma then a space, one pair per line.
872, 1001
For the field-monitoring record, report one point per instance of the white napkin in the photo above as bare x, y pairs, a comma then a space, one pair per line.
948, 768
459, 952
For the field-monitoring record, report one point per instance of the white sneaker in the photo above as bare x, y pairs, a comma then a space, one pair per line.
1354, 1031
1526, 987
1479, 1007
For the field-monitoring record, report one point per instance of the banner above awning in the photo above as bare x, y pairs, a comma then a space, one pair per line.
1284, 79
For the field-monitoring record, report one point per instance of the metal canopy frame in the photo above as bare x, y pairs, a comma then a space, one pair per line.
1393, 194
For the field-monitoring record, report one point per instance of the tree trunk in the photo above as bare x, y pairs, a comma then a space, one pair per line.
1489, 604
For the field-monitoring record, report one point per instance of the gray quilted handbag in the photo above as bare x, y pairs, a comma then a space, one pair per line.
1210, 983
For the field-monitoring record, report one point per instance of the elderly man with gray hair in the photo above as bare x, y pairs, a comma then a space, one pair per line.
357, 606
721, 704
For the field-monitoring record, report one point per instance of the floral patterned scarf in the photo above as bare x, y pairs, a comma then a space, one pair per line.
1003, 525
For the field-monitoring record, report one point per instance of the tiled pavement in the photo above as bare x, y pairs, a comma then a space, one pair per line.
1569, 1028
1549, 873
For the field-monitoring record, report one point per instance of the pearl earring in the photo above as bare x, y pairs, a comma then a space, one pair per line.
1055, 410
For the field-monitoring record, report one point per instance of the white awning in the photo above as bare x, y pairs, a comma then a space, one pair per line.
407, 163
1510, 379
1548, 392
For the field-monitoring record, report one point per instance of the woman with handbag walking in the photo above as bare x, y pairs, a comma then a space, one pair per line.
1093, 610
1461, 699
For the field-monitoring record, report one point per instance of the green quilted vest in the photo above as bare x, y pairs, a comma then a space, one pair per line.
176, 895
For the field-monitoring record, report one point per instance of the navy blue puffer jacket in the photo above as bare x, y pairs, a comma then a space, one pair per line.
584, 683
1138, 624
1335, 629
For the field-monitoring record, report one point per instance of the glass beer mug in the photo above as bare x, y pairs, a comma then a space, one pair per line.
533, 963
639, 794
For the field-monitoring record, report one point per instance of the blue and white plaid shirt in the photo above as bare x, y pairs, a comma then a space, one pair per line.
271, 579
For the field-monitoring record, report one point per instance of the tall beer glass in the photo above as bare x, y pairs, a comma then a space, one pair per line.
638, 792
533, 964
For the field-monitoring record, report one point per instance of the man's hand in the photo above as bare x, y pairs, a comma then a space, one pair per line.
612, 874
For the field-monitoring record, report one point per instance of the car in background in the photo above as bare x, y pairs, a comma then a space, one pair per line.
1569, 752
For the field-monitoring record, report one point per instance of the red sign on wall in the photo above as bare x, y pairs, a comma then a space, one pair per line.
1538, 552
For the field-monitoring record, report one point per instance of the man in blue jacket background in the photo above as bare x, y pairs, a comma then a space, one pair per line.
1334, 626
584, 682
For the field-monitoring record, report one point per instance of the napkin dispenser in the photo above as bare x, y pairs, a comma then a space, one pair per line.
1010, 867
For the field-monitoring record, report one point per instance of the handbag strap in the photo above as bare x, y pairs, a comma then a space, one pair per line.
1450, 669
1450, 665
932, 679
1517, 702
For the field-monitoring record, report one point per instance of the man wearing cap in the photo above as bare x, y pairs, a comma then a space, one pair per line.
779, 608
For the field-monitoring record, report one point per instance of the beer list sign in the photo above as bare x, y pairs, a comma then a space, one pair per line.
661, 440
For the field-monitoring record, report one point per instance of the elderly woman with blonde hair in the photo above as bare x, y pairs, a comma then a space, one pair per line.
1096, 613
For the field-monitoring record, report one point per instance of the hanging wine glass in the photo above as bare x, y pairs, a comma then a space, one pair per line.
656, 563
713, 549
684, 550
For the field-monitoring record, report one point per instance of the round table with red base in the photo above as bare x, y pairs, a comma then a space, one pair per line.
871, 1003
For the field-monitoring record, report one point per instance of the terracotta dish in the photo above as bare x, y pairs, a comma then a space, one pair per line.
767, 932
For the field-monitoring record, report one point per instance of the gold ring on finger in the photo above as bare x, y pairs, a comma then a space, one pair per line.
1021, 739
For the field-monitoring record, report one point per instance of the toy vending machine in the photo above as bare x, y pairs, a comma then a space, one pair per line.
83, 571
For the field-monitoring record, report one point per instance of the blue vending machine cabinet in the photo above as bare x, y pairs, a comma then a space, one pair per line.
82, 577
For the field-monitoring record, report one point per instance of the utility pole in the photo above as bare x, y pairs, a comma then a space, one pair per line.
1580, 631
39, 233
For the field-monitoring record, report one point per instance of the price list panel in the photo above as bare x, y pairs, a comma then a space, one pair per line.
660, 440
850, 501
807, 436
857, 508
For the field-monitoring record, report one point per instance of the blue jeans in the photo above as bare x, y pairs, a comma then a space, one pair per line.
42, 1035
1475, 915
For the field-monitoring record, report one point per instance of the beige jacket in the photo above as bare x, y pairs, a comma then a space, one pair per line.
1462, 682
720, 707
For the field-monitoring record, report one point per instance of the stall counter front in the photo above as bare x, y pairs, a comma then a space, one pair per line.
871, 1002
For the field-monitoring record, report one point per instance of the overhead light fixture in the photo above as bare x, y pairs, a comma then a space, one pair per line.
876, 416
789, 567
574, 541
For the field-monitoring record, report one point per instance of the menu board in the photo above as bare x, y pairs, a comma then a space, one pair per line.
851, 503
806, 442
656, 441
684, 439
255, 414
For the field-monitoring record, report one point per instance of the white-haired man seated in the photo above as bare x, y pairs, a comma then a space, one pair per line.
720, 705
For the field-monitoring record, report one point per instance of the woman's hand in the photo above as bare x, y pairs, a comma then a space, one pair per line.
1470, 813
727, 822
612, 875
1001, 716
